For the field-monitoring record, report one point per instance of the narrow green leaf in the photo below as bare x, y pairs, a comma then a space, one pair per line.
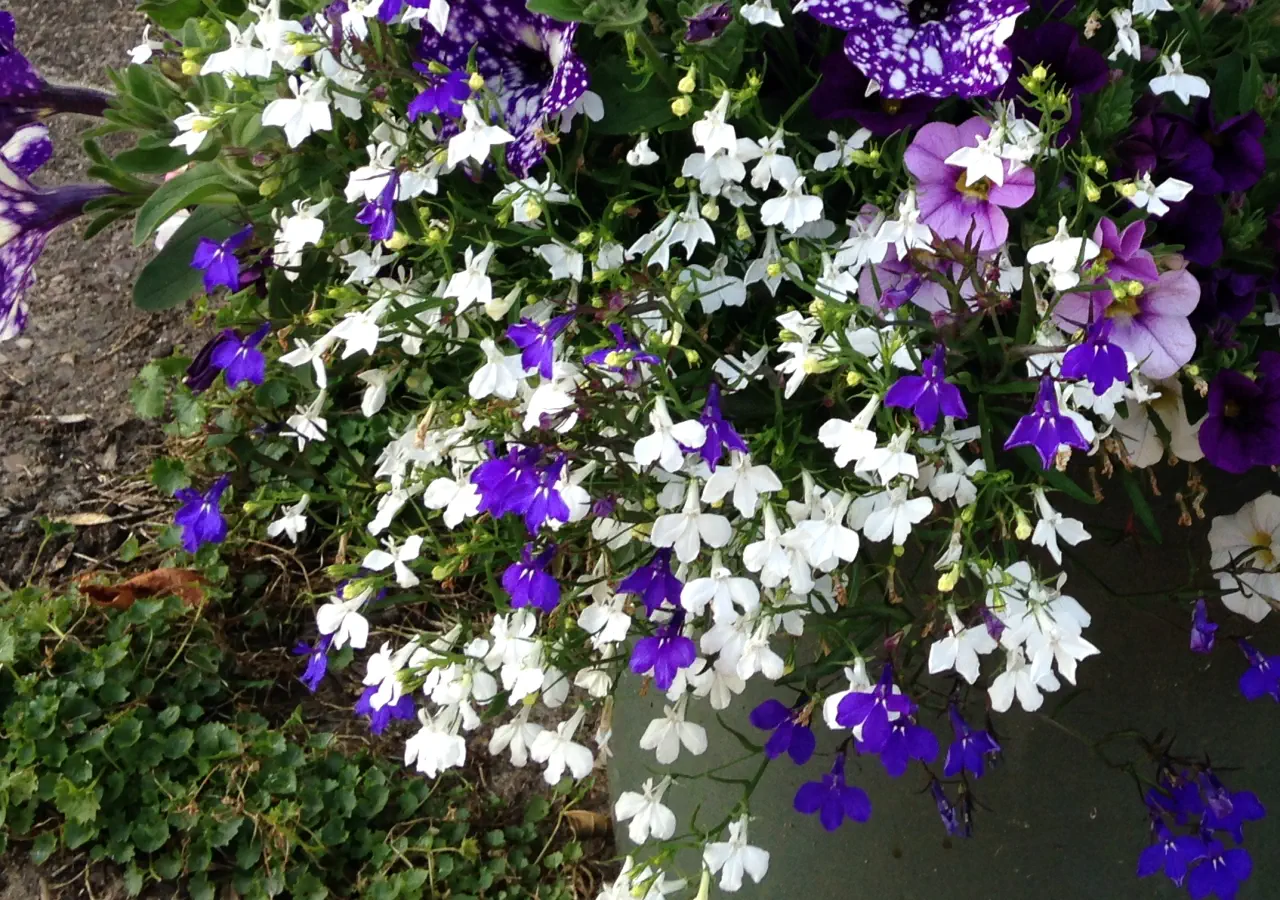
1141, 508
202, 182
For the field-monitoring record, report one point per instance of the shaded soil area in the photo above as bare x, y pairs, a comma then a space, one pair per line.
67, 429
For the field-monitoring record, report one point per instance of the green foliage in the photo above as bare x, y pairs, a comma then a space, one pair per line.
123, 737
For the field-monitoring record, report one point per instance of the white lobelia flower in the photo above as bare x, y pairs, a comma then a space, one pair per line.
649, 817
558, 751
663, 444
397, 558
516, 736
457, 496
606, 620
1063, 255
982, 160
1054, 525
242, 58
303, 114
193, 128
1148, 8
610, 256
636, 883
436, 13
739, 372
688, 529
382, 670
735, 857
565, 262
141, 53
746, 481
776, 560
773, 164
1245, 555
1127, 40
842, 155
304, 353
529, 197
375, 391
891, 460
294, 233
806, 356
864, 243
292, 522
1155, 198
826, 540
713, 287
794, 208
365, 266
720, 173
552, 403
724, 591
895, 515
665, 736
278, 36
961, 648
906, 232
851, 439
436, 746
348, 76
761, 12
1022, 680
771, 266
1177, 82
341, 618
472, 285
712, 133
641, 154
307, 424
476, 139
359, 329
500, 375
589, 104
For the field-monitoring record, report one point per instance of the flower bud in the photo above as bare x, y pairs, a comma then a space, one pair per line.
710, 210
584, 238
191, 67
398, 241
1039, 73
270, 186
692, 357
853, 379
680, 106
948, 580
1128, 190
1022, 529
689, 82
1091, 192
476, 81
704, 886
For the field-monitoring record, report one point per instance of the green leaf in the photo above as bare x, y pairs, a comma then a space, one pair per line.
1056, 479
563, 10
169, 475
536, 810
1141, 508
171, 15
78, 803
203, 181
150, 831
631, 105
169, 279
147, 392
43, 846
132, 880
178, 743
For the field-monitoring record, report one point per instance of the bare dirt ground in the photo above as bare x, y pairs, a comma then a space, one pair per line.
85, 341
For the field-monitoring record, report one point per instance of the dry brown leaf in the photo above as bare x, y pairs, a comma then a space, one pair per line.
85, 519
586, 823
186, 584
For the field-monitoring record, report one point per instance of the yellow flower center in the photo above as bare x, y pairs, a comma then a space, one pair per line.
976, 191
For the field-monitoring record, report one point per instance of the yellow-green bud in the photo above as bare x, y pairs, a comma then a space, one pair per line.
1022, 529
1100, 166
398, 241
680, 106
270, 186
899, 551
692, 357
949, 579
1039, 73
1091, 192
190, 52
689, 82
1128, 190
1191, 369
853, 379
439, 573
774, 269
584, 238
315, 317
190, 67
711, 210
434, 235
476, 81
649, 503
437, 68
532, 208
966, 514
744, 230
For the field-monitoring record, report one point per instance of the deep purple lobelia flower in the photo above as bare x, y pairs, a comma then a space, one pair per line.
995, 626
951, 818
654, 582
1242, 427
240, 359
1227, 810
870, 711
201, 515
1097, 359
709, 22
1262, 678
665, 653
789, 735
506, 483
721, 435
1170, 854
526, 58
1176, 794
953, 208
317, 660
1220, 873
624, 357
528, 581
1071, 64
218, 261
380, 213
843, 93
955, 47
906, 741
443, 95
1045, 428
832, 799
1236, 144
1202, 630
929, 394
969, 750
537, 343
380, 718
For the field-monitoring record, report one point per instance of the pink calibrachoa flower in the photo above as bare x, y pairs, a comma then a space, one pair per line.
1120, 258
949, 204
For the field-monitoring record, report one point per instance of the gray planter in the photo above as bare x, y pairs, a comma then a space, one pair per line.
1054, 820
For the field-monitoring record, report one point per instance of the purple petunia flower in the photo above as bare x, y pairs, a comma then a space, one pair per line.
218, 261
654, 582
240, 359
955, 47
709, 22
537, 343
870, 711
443, 95
1196, 225
906, 741
1168, 146
721, 435
201, 515
949, 204
1046, 428
789, 735
29, 148
1202, 630
1226, 299
928, 395
506, 483
1262, 678
26, 97
1121, 256
383, 716
832, 799
1221, 872
664, 653
526, 58
380, 213
1242, 427
1097, 359
317, 660
1227, 810
843, 93
1072, 64
1169, 854
1236, 144
969, 750
528, 582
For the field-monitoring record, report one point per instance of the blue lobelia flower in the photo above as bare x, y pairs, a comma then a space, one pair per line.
380, 213
721, 435
624, 357
528, 581
654, 582
969, 750
443, 95
218, 260
1221, 872
1177, 794
1170, 854
1097, 359
1262, 678
317, 660
906, 741
506, 483
935, 49
203, 371
929, 394
870, 710
832, 799
1046, 428
1227, 810
952, 820
1202, 630
201, 515
789, 736
380, 718
665, 653
537, 343
526, 58
240, 359
545, 502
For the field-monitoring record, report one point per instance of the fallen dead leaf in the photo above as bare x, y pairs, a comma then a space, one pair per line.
186, 584
85, 519
586, 823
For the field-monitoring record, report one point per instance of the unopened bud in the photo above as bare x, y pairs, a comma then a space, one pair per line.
398, 241
710, 210
270, 186
688, 83
1039, 73
1022, 529
1129, 190
190, 67
853, 379
476, 81
949, 579
680, 106
692, 357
